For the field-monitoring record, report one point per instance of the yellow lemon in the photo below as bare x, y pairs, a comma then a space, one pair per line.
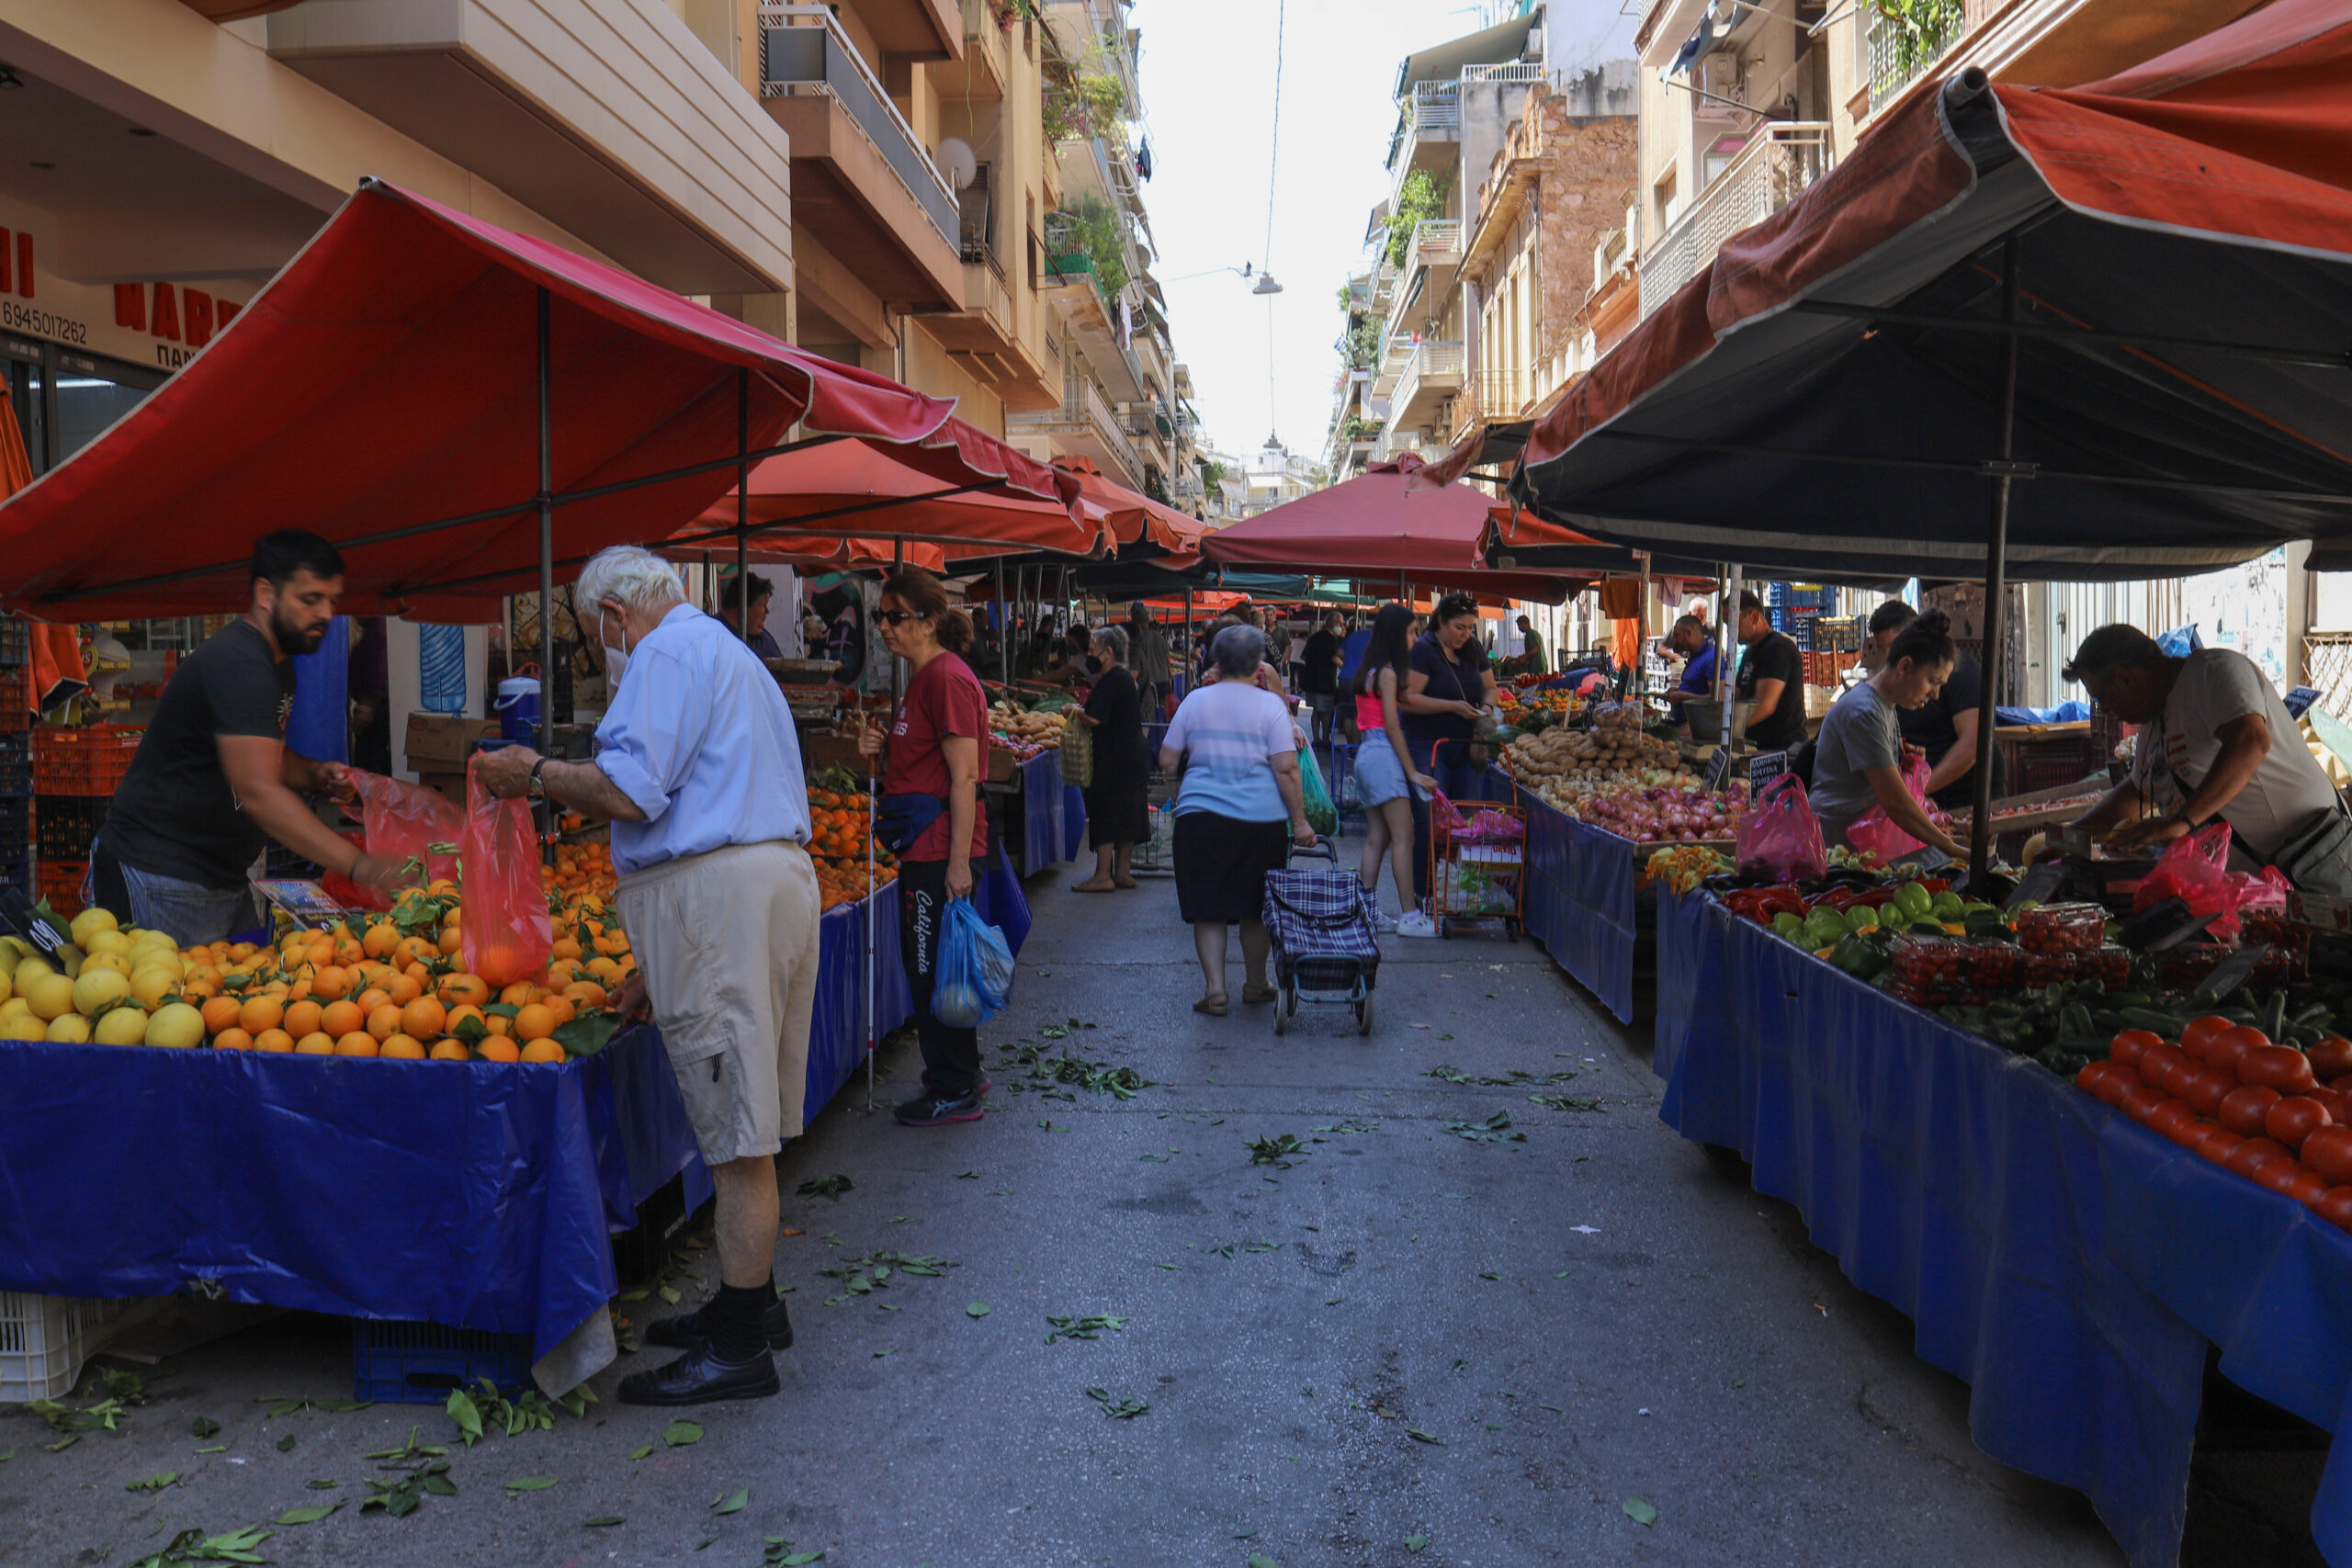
29, 971
16, 1005
89, 923
98, 985
22, 1026
104, 941
152, 985
69, 1028
7, 986
51, 996
156, 954
120, 1026
176, 1024
119, 962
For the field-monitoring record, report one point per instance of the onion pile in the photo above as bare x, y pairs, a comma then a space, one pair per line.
1663, 814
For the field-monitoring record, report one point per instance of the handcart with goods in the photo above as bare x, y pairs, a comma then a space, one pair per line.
1477, 866
1325, 944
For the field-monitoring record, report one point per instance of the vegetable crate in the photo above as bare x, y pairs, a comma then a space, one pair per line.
419, 1363
16, 764
63, 824
59, 882
16, 699
1477, 866
83, 762
16, 642
45, 1339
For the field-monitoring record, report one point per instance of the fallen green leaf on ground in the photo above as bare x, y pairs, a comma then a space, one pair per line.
306, 1516
641, 1451
827, 1187
731, 1502
976, 1309
1495, 1129
1415, 1542
530, 1483
603, 1520
153, 1482
286, 1444
1280, 1152
1088, 1327
204, 1427
1421, 1437
678, 1434
195, 1546
779, 1554
1118, 1409
1641, 1513
1566, 1102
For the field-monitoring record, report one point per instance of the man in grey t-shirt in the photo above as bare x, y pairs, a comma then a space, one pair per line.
2216, 741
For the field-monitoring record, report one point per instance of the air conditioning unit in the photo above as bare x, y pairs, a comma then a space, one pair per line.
1719, 75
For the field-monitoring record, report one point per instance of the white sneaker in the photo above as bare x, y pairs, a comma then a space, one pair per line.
1416, 924
1383, 922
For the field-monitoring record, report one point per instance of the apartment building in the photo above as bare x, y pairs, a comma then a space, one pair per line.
1111, 364
1512, 150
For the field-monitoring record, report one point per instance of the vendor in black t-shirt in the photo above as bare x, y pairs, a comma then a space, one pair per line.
1771, 675
1944, 726
212, 780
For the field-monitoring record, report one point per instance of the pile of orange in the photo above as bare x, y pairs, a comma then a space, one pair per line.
839, 842
394, 986
580, 869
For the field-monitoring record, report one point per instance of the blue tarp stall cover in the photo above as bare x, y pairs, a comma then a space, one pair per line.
2068, 1263
1040, 841
1579, 898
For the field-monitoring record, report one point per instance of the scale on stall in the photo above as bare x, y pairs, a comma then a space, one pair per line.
307, 904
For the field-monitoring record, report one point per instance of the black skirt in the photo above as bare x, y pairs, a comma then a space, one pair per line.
1116, 814
1221, 865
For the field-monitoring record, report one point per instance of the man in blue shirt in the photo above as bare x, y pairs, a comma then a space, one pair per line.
1690, 639
698, 772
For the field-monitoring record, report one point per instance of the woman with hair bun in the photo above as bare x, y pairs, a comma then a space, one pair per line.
930, 817
1858, 760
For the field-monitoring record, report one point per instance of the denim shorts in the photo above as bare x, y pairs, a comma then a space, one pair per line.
1380, 777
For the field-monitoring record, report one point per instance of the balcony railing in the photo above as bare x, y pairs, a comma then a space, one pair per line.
1394, 358
1383, 289
1097, 411
1772, 170
1437, 241
1900, 52
1431, 112
1430, 362
803, 50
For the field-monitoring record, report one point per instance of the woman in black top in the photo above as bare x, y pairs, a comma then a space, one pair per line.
1117, 815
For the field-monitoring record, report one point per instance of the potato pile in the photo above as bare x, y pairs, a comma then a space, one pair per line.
1614, 754
1026, 734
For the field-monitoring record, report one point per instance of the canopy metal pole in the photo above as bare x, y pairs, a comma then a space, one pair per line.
743, 504
2003, 470
1004, 625
546, 812
1730, 618
1642, 645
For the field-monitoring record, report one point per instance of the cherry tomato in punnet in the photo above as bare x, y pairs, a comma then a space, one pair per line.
2243, 1110
2197, 1031
2331, 1057
2335, 1207
2306, 1187
2139, 1101
2133, 1043
2281, 1068
2218, 1143
2170, 1118
2206, 1089
2256, 1153
2158, 1061
2294, 1118
2329, 1151
2279, 1175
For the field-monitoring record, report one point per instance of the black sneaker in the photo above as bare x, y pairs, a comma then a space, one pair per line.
688, 1331
930, 1110
699, 1377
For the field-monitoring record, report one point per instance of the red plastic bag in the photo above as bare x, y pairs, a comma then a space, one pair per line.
507, 935
403, 821
1780, 836
1874, 832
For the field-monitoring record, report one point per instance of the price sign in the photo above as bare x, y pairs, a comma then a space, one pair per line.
2232, 972
2038, 883
1718, 769
1764, 767
2299, 700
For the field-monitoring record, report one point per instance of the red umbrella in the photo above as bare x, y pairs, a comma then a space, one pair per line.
1133, 518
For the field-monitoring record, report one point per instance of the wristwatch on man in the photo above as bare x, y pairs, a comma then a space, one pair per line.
538, 784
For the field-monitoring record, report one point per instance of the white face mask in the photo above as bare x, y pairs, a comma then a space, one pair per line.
615, 659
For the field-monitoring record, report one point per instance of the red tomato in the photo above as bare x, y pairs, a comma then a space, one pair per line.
2095, 1074
2334, 1103
2229, 1047
2171, 1118
2139, 1101
2244, 1110
2341, 1085
2132, 1044
2329, 1151
2218, 1143
2279, 1175
2191, 1134
2198, 1031
2157, 1062
2331, 1056
2281, 1068
2306, 1187
2116, 1085
2335, 1207
2294, 1118
2256, 1153
2206, 1089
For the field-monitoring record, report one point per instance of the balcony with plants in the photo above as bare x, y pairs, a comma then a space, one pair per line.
1905, 39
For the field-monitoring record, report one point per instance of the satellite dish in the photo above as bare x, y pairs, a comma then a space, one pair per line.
957, 163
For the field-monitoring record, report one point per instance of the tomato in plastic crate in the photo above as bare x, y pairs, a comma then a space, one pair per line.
1994, 965
2035, 970
1929, 963
2063, 928
2109, 965
2185, 967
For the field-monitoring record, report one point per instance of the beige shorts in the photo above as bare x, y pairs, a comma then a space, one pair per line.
727, 943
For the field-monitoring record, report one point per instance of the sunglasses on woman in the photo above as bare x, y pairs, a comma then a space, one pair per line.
892, 617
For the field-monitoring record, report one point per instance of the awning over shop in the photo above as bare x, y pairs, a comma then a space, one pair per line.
385, 390
1827, 395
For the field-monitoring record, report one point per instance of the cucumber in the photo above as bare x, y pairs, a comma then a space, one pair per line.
2130, 998
2274, 1015
2155, 1020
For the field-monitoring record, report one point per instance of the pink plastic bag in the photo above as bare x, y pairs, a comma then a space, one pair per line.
401, 821
507, 935
1875, 834
1779, 837
2196, 871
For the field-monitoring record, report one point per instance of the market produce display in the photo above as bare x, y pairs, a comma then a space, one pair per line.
2223, 1086
838, 813
1022, 732
1620, 776
387, 985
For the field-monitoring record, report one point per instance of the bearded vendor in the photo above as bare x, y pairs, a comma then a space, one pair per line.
213, 781
2216, 743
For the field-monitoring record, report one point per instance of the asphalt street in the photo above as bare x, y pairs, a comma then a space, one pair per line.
1456, 1325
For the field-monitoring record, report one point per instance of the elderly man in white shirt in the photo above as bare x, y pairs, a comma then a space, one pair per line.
698, 772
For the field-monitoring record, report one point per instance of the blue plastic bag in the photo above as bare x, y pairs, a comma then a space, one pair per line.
975, 978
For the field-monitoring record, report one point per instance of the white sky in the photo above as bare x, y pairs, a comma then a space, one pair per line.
1207, 75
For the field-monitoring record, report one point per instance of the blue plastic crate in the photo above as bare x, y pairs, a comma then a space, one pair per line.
419, 1363
16, 642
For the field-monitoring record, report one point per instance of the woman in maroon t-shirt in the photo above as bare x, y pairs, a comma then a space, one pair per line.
937, 748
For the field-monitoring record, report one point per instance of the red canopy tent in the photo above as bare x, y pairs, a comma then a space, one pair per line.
1132, 518
430, 392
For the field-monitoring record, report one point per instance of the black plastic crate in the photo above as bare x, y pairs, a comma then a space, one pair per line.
642, 1253
65, 824
419, 1363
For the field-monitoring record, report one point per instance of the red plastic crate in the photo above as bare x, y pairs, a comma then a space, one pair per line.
16, 699
83, 762
60, 882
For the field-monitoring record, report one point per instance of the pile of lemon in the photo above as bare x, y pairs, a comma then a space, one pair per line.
113, 986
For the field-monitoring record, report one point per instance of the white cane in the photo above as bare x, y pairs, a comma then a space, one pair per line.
869, 940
